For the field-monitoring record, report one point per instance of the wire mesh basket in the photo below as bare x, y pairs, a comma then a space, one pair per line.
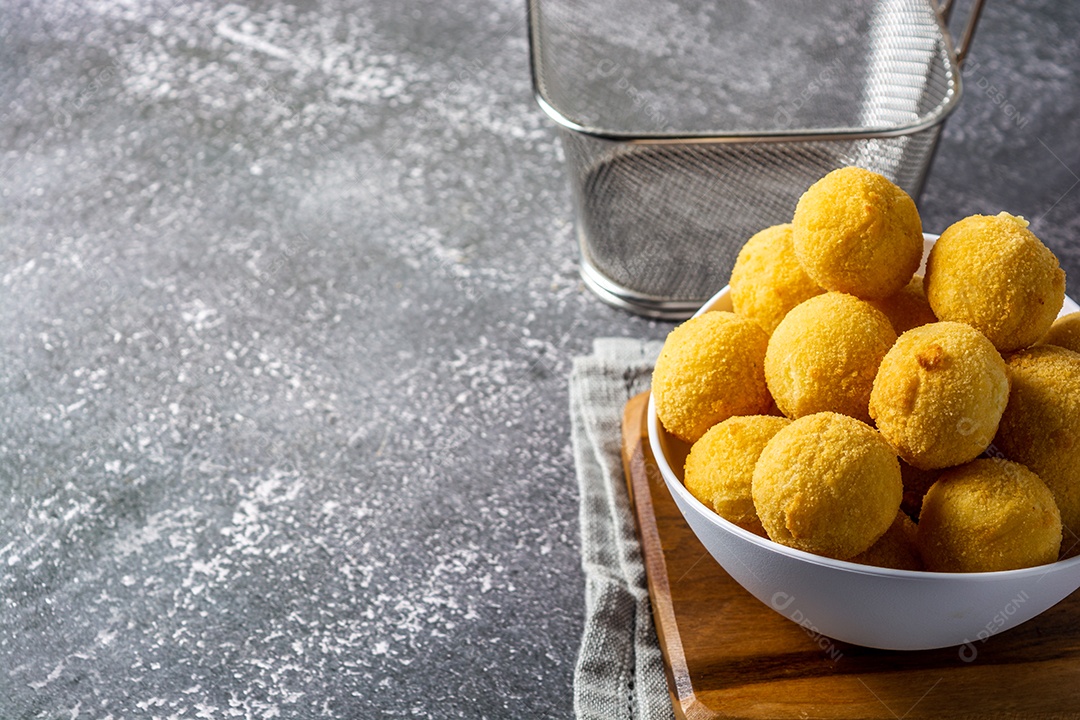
689, 126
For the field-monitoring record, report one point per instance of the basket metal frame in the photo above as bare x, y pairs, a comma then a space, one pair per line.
617, 295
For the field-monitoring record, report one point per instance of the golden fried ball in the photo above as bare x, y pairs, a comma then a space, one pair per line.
988, 515
710, 368
824, 355
995, 275
1041, 424
767, 280
1065, 332
856, 232
827, 484
720, 466
916, 483
908, 308
897, 548
939, 395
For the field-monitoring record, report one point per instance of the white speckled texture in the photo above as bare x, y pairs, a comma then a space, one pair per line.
288, 297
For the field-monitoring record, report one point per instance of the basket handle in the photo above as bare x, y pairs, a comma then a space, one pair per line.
944, 10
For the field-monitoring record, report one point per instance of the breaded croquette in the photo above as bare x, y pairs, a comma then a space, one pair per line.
710, 368
992, 273
824, 355
939, 395
720, 466
896, 549
988, 515
856, 232
1041, 424
1065, 332
908, 308
827, 484
767, 280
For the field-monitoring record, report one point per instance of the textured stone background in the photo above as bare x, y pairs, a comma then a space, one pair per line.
288, 297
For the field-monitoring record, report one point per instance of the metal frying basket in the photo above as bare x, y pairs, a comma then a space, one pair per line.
689, 126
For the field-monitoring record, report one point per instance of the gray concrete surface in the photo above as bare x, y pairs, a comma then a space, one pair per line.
288, 299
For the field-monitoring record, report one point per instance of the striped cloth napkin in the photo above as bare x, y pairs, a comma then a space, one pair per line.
620, 672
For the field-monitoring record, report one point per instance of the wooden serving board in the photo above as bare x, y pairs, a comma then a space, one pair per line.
727, 655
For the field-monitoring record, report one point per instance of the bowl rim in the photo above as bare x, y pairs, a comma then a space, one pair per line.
673, 483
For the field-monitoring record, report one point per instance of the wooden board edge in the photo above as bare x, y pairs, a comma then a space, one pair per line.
639, 468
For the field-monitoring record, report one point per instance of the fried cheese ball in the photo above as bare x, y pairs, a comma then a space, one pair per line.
1065, 332
710, 368
908, 308
824, 355
896, 549
995, 275
767, 280
939, 395
720, 466
827, 484
856, 232
916, 483
988, 515
1041, 424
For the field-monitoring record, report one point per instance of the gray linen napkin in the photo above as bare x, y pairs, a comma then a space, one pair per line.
620, 672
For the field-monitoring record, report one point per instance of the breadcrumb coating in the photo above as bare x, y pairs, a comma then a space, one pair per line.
992, 273
710, 368
896, 549
856, 232
1041, 424
1065, 332
767, 280
827, 484
907, 309
988, 515
824, 355
916, 483
939, 395
720, 467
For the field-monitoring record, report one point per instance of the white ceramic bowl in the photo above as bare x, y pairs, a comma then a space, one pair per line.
860, 604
